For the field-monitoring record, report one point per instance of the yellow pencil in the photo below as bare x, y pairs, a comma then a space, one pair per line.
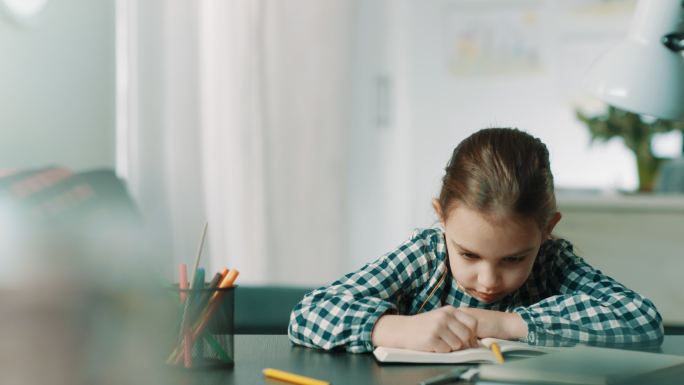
292, 378
497, 352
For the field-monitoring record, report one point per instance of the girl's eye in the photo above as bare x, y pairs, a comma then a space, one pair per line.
513, 259
469, 256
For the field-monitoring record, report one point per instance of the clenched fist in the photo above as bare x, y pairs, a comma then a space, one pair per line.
441, 330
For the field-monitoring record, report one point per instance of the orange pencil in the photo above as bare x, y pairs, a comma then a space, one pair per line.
183, 285
226, 283
213, 304
497, 352
183, 281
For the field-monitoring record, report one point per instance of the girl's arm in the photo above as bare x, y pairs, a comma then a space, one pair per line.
589, 308
344, 313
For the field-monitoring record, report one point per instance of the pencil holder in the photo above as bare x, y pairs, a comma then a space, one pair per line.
205, 329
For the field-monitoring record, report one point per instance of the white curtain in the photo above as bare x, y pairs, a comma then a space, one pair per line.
239, 117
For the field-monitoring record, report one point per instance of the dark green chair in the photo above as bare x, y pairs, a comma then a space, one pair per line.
265, 309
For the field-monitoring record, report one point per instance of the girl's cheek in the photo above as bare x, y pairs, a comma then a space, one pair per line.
469, 274
518, 280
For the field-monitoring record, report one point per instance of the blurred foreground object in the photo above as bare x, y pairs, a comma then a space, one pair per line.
80, 292
58, 195
645, 73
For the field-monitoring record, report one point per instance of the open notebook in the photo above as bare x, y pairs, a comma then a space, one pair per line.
472, 355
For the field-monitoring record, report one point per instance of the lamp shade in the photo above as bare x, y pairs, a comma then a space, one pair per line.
641, 74
22, 8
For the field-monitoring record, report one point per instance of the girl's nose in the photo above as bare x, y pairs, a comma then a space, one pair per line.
488, 279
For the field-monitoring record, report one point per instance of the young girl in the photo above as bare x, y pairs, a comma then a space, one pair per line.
493, 269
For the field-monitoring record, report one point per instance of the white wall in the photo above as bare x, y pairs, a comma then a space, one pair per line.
447, 107
57, 87
375, 169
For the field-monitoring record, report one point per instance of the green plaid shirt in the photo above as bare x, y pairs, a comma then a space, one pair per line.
564, 301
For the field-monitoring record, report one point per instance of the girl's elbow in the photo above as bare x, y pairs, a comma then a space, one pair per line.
650, 326
296, 336
296, 323
656, 336
652, 339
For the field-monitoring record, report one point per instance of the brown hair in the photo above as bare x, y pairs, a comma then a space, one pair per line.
500, 171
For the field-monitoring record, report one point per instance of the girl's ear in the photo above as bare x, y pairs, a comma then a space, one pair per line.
552, 224
438, 210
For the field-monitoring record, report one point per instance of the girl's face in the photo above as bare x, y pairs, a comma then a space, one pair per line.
491, 257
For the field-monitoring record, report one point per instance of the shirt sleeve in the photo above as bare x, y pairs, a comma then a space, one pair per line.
343, 314
588, 307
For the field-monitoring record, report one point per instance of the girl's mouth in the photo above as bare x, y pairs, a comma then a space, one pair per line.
484, 297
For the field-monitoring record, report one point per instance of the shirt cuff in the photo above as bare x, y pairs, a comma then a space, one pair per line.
365, 343
532, 337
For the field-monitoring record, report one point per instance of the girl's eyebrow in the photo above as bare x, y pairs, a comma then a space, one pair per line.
522, 252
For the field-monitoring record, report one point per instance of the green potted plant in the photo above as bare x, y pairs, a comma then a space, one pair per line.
637, 133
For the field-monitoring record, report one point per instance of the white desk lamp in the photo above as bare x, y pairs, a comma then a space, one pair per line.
645, 73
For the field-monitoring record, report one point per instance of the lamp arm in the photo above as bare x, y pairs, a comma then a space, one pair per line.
674, 41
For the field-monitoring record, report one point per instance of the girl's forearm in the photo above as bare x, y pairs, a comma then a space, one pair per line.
498, 324
516, 326
387, 331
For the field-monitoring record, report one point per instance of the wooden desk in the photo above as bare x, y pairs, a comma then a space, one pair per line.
255, 352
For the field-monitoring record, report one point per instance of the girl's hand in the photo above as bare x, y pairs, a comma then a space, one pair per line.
441, 330
497, 324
